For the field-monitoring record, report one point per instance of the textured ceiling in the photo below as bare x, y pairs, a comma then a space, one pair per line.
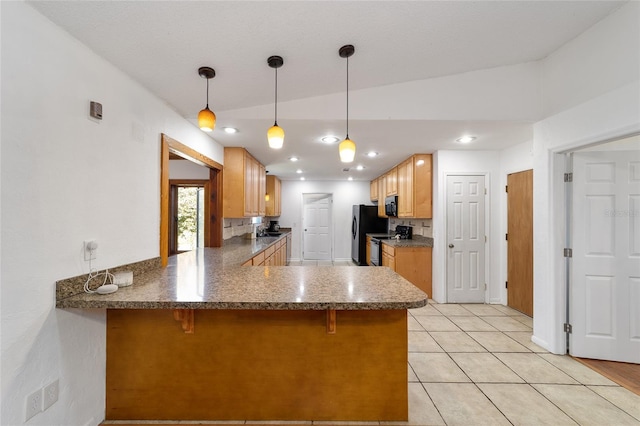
162, 44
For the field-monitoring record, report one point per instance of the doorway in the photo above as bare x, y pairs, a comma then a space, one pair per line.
212, 199
317, 227
604, 285
520, 241
188, 226
466, 238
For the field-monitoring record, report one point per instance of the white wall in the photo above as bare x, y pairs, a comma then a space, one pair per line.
66, 178
345, 195
602, 62
185, 169
466, 162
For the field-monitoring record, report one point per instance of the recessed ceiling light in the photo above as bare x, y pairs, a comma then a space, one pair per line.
349, 178
302, 178
299, 171
330, 139
372, 154
466, 139
360, 167
294, 159
230, 130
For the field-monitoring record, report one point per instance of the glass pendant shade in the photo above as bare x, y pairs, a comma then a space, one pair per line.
347, 150
275, 136
206, 120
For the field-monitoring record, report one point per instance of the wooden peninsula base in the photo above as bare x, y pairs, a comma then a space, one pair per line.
256, 365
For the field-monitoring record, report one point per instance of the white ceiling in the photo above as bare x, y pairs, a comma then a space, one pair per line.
162, 44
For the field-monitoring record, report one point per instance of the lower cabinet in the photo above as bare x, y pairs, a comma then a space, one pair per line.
412, 263
274, 255
368, 258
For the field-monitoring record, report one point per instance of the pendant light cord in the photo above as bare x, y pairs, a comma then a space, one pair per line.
347, 97
207, 93
276, 104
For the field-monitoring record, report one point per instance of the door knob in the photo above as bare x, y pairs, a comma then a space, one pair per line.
451, 245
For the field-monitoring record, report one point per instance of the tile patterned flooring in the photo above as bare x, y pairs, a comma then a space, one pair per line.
476, 365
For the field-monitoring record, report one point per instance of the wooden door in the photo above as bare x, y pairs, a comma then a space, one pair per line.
520, 241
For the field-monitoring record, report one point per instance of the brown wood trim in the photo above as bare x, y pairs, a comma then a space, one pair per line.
164, 202
189, 153
331, 321
186, 318
214, 208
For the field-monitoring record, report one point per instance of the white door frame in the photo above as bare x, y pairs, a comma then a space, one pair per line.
487, 229
558, 268
317, 195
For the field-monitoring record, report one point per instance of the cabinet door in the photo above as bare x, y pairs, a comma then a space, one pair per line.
405, 189
381, 195
249, 187
391, 182
373, 190
277, 203
262, 189
414, 264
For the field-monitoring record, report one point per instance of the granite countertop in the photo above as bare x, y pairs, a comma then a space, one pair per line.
213, 278
416, 241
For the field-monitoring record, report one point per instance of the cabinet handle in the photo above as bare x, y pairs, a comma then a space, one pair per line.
451, 245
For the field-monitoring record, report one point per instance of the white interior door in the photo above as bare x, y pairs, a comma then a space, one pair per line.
317, 227
605, 271
465, 239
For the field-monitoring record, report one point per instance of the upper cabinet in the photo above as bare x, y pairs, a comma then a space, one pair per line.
274, 193
391, 182
411, 181
244, 184
415, 187
373, 189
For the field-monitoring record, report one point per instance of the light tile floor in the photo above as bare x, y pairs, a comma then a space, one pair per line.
476, 365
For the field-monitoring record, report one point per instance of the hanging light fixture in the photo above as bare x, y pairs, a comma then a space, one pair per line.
347, 147
206, 117
275, 134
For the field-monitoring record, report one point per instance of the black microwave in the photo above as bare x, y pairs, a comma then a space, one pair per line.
391, 206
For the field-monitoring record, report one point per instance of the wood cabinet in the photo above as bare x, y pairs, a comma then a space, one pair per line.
274, 255
391, 182
273, 207
244, 184
412, 263
373, 190
381, 195
415, 187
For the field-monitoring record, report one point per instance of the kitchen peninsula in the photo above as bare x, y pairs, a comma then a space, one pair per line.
208, 339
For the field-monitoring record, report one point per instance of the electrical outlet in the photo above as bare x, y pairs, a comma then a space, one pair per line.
33, 404
50, 394
90, 249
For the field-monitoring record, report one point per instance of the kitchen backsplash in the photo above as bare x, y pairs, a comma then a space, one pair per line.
420, 226
236, 227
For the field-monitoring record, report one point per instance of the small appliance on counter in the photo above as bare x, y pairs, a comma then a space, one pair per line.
404, 232
273, 226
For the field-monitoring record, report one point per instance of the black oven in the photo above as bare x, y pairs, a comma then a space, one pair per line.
391, 206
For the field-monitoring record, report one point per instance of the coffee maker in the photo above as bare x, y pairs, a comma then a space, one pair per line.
273, 226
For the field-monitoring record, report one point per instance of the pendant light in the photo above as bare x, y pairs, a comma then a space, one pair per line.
347, 148
275, 134
206, 117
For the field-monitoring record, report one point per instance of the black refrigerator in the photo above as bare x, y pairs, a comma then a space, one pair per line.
365, 220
